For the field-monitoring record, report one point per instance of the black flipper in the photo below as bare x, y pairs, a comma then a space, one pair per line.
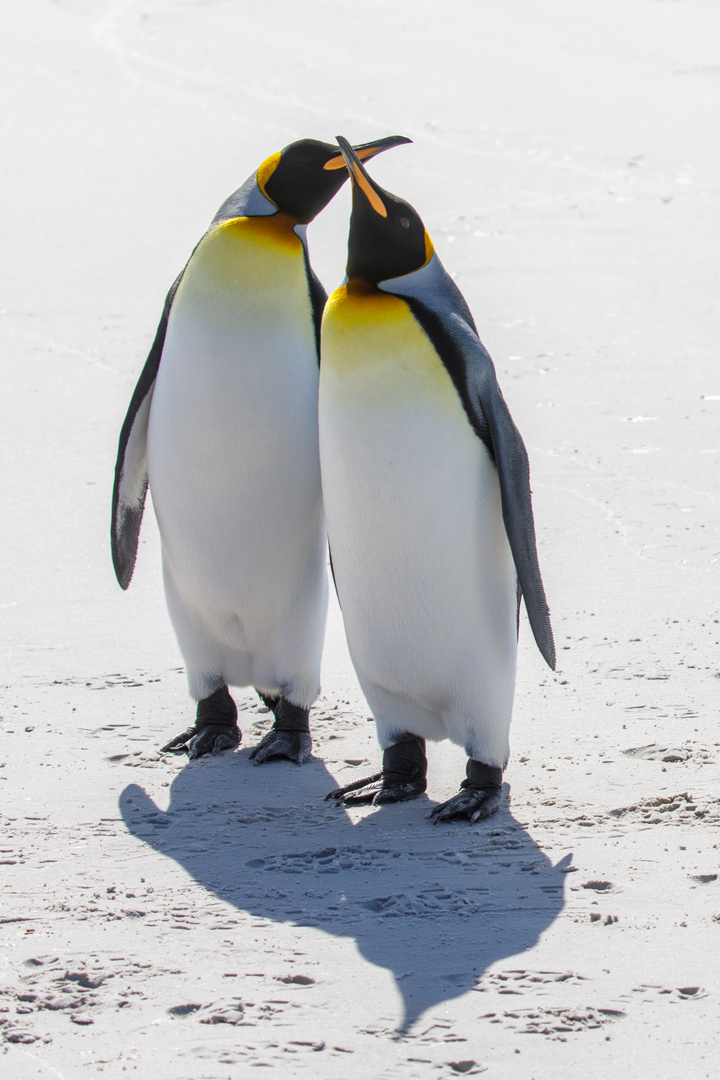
131, 481
332, 571
318, 298
473, 374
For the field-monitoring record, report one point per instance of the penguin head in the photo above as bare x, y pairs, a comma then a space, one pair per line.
387, 237
301, 179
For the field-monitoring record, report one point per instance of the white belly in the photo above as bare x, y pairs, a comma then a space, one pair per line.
234, 473
425, 575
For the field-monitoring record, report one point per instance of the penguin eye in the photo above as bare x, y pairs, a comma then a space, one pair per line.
405, 222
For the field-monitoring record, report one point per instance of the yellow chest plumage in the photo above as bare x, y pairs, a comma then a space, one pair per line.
259, 258
373, 340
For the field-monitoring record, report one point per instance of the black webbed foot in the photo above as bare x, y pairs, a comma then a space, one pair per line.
480, 796
215, 728
474, 805
290, 735
403, 777
213, 739
294, 745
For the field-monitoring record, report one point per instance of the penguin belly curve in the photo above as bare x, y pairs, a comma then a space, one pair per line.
233, 466
425, 576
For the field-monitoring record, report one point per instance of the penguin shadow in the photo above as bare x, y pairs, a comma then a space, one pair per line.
433, 905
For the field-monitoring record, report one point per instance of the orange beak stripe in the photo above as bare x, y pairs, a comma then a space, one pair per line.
339, 161
370, 193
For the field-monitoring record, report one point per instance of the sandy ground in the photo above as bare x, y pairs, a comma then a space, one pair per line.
191, 922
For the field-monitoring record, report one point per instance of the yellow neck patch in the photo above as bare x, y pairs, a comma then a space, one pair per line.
360, 304
274, 231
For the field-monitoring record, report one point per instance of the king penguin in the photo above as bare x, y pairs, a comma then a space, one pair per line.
428, 509
222, 426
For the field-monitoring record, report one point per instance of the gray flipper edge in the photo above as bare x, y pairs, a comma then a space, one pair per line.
511, 460
473, 374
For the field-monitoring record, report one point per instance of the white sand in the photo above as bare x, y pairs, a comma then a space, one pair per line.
566, 163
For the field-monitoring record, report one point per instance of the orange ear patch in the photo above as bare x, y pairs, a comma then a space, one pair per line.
266, 170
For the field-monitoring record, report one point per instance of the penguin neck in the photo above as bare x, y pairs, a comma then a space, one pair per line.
358, 286
360, 294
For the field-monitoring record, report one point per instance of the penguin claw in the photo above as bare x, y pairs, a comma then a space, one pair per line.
376, 790
394, 793
294, 745
358, 793
473, 803
207, 739
213, 739
178, 744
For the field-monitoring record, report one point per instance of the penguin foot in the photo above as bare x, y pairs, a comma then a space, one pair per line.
294, 745
361, 791
403, 777
290, 735
377, 790
481, 795
215, 728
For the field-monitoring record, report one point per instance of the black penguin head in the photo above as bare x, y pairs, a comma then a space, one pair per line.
387, 237
304, 177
